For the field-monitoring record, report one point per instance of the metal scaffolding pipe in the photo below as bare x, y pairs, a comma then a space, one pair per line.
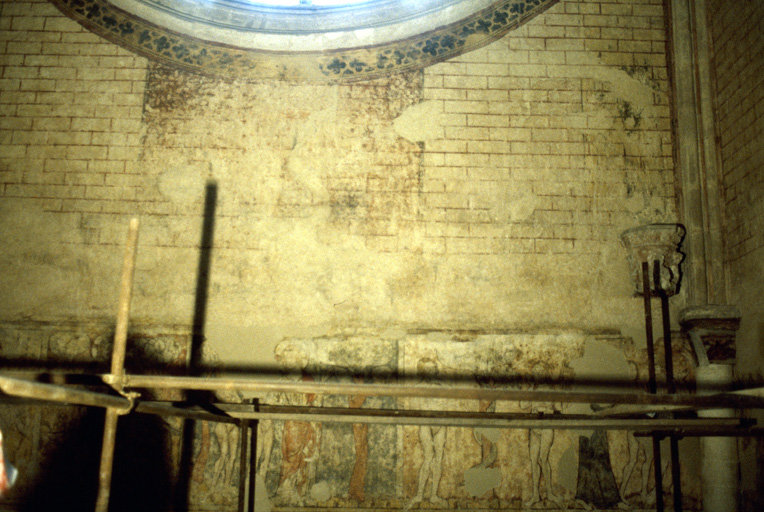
629, 404
233, 413
255, 385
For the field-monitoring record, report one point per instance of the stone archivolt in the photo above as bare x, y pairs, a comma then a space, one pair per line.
240, 59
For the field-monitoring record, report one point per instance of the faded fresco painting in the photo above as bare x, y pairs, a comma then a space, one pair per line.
56, 448
483, 467
304, 464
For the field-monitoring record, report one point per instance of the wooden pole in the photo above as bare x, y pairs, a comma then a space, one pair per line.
117, 367
63, 394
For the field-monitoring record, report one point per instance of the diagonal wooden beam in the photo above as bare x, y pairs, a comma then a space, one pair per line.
63, 394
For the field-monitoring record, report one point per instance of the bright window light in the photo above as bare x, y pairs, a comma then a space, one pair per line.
307, 3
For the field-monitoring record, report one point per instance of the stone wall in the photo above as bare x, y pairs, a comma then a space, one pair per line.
484, 194
440, 198
341, 465
737, 65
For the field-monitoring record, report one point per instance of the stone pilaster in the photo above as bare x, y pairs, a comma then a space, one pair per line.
696, 152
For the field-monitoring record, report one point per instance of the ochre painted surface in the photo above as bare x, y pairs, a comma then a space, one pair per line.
481, 195
484, 192
305, 464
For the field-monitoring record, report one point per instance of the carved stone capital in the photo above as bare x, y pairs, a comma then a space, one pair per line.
712, 329
655, 242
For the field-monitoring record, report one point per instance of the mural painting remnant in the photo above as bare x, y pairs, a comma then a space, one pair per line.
461, 468
302, 464
432, 439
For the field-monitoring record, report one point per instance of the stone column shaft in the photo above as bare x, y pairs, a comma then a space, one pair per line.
719, 472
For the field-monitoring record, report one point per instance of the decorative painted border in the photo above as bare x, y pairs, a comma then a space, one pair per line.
248, 15
192, 54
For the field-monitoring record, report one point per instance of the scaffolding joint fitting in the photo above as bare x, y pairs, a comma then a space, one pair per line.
115, 381
132, 397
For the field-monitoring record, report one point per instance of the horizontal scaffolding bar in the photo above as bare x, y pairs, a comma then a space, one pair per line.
189, 412
208, 383
704, 432
65, 394
631, 409
233, 413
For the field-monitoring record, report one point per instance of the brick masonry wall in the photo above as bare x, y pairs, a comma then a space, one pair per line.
737, 65
568, 117
480, 197
70, 139
484, 192
71, 112
738, 69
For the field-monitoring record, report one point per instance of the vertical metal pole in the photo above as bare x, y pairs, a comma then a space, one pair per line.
658, 473
117, 367
676, 473
243, 459
668, 355
652, 387
253, 459
676, 480
646, 292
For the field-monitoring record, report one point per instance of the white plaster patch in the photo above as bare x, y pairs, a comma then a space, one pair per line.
520, 205
420, 122
262, 502
622, 85
479, 481
321, 491
301, 168
600, 363
567, 474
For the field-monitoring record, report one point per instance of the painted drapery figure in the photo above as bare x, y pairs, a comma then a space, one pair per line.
299, 447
